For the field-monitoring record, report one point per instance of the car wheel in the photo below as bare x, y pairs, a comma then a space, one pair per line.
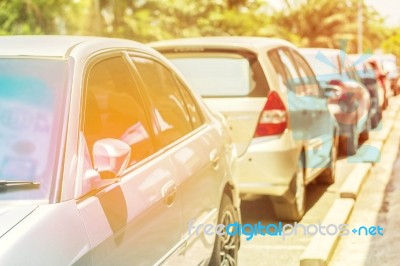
328, 176
376, 119
364, 135
292, 206
349, 144
226, 247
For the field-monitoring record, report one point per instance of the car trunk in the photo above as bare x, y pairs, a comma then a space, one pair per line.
242, 115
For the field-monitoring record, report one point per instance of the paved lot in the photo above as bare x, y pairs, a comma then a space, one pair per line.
267, 250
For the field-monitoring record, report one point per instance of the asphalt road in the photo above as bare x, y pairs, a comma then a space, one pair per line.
273, 250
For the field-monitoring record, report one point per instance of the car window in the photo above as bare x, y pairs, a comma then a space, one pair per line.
169, 108
32, 100
222, 74
307, 75
325, 66
351, 72
113, 109
295, 82
193, 109
282, 74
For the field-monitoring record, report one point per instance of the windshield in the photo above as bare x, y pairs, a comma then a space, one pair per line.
30, 109
390, 67
324, 65
222, 74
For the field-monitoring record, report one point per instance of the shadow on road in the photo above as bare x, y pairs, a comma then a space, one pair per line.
261, 209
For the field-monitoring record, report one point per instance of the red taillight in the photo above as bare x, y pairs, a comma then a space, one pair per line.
273, 118
335, 82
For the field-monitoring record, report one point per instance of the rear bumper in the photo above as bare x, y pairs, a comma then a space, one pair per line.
268, 165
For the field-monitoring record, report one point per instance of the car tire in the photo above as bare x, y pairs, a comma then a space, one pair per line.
376, 119
292, 206
226, 247
364, 135
349, 144
328, 176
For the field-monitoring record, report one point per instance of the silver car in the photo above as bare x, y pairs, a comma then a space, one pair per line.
108, 158
276, 110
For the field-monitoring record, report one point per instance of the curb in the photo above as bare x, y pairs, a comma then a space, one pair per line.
321, 247
352, 185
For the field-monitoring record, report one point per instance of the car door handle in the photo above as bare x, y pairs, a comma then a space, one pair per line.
168, 193
214, 158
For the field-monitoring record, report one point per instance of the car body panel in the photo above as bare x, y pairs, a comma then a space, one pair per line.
325, 63
52, 234
266, 164
138, 217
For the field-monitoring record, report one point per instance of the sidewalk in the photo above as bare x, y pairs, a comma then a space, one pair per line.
378, 203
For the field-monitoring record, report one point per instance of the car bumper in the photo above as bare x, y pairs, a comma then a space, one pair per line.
268, 165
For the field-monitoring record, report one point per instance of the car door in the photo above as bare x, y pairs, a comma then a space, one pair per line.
303, 109
135, 219
323, 124
362, 94
195, 149
292, 86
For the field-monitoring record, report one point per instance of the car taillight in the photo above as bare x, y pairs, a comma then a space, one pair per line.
335, 82
273, 118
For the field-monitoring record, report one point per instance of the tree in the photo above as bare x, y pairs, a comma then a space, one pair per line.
325, 23
151, 20
32, 16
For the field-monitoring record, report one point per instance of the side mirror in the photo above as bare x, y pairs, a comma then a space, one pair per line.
110, 157
332, 91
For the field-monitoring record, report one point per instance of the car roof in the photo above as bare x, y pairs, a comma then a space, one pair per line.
325, 51
222, 42
60, 46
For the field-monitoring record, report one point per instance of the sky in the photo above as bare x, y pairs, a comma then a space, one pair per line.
389, 9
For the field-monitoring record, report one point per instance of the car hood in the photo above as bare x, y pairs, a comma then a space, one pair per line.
12, 215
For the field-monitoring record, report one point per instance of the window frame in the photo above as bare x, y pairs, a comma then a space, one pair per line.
160, 146
96, 59
300, 57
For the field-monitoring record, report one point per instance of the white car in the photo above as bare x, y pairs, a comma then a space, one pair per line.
107, 158
276, 110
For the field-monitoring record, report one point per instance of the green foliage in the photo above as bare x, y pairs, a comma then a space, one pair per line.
32, 16
155, 20
317, 23
392, 43
324, 23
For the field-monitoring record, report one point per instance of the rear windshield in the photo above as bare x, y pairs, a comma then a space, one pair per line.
222, 74
323, 65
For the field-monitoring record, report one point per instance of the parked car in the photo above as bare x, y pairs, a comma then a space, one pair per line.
388, 63
279, 118
349, 99
107, 156
364, 66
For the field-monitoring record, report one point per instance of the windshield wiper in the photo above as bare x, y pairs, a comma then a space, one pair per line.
12, 183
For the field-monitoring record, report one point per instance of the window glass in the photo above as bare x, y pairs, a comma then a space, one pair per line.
217, 74
281, 73
294, 81
351, 72
192, 108
169, 109
32, 100
325, 66
114, 109
308, 77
